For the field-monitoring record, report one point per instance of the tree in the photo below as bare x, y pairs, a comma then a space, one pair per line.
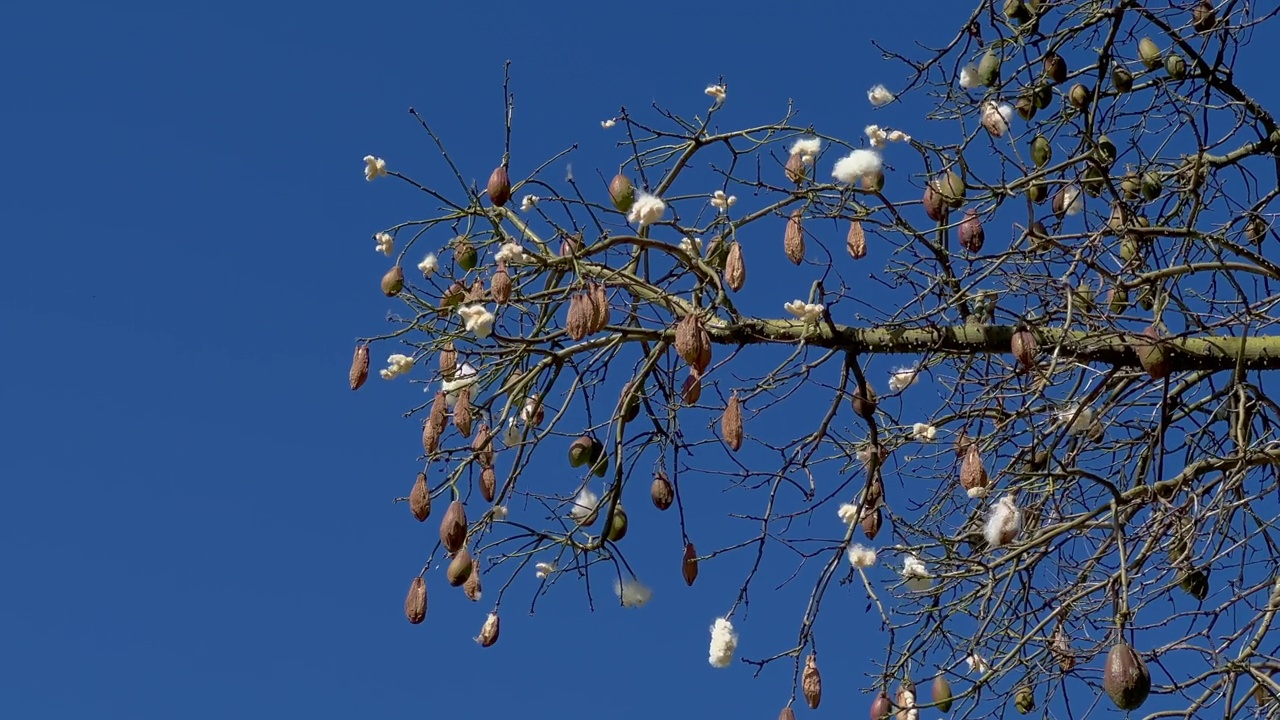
1090, 506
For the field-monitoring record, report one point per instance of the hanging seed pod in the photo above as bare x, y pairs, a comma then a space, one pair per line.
1176, 66
689, 566
603, 311
1204, 17
1080, 96
1255, 231
488, 484
1041, 151
881, 708
622, 193
856, 241
1025, 106
1121, 79
630, 402
952, 188
453, 295
580, 451
482, 446
453, 527
1024, 700
871, 522
934, 204
359, 366
735, 270
872, 182
393, 282
465, 255
1151, 355
796, 169
787, 714
864, 402
476, 293
972, 235
691, 392
1195, 583
462, 415
448, 360
693, 343
1024, 347
1055, 68
420, 498
415, 603
1149, 53
989, 69
1060, 647
661, 492
1106, 151
433, 428
471, 588
1042, 95
577, 324
731, 423
811, 682
499, 186
906, 701
1125, 677
942, 693
973, 476
570, 245
459, 568
489, 631
500, 284
793, 239
617, 524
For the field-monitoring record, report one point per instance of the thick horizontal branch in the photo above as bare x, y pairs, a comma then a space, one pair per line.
1093, 347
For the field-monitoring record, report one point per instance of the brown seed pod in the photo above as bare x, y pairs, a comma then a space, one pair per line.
689, 568
692, 390
459, 568
415, 603
1255, 231
973, 476
489, 631
1060, 647
622, 193
856, 241
471, 588
393, 282
578, 323
448, 360
735, 270
629, 401
433, 428
1126, 678
787, 713
499, 186
488, 484
864, 402
1055, 68
972, 236
1203, 16
600, 306
1024, 347
731, 422
881, 708
570, 245
420, 498
453, 295
661, 492
811, 682
482, 446
692, 342
935, 205
906, 700
462, 415
453, 527
477, 292
871, 522
359, 366
942, 693
793, 239
1151, 355
796, 169
500, 284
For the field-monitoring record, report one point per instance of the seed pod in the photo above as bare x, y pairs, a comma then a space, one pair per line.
482, 446
465, 255
453, 527
689, 568
872, 182
393, 282
1125, 677
1149, 53
500, 284
453, 295
617, 524
1255, 231
871, 522
580, 451
1203, 17
630, 405
1055, 68
989, 69
661, 492
787, 714
1024, 700
476, 292
881, 708
1024, 347
972, 235
693, 343
489, 631
934, 204
471, 588
942, 693
731, 423
601, 311
1151, 355
735, 270
459, 568
488, 484
864, 402
448, 360
621, 192
1042, 94
952, 188
499, 186
691, 392
415, 603
420, 498
1263, 694
433, 428
570, 245
796, 169
973, 476
578, 322
1176, 66
906, 701
1041, 151
811, 682
1122, 79
462, 415
1060, 647
793, 239
856, 241
359, 366
1195, 583
1080, 96
1025, 106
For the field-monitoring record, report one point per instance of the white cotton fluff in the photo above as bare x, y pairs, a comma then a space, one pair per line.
1003, 523
1073, 201
969, 77
584, 505
916, 574
902, 378
861, 556
847, 513
724, 641
924, 432
879, 95
807, 148
646, 210
808, 313
632, 592
996, 118
857, 165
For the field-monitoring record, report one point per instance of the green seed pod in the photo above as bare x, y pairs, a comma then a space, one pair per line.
1093, 180
1149, 53
1118, 300
1131, 186
989, 69
1017, 11
1122, 79
465, 255
1055, 68
1151, 186
1025, 106
1038, 191
1176, 66
1080, 96
1106, 153
1041, 151
1195, 583
622, 193
1024, 700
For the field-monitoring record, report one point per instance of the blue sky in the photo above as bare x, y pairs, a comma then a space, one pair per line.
198, 518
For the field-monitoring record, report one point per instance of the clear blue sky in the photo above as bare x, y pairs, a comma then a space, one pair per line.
197, 520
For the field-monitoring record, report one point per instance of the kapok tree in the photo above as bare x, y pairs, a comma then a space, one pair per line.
1003, 370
